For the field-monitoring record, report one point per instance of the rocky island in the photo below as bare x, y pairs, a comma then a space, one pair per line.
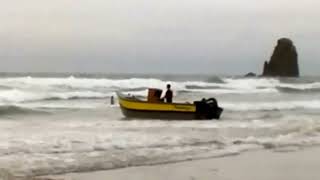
284, 60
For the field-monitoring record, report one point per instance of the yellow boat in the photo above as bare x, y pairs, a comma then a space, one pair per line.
154, 108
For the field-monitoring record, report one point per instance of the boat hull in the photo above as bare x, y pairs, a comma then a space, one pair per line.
161, 115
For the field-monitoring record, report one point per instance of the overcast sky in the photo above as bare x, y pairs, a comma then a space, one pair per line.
155, 36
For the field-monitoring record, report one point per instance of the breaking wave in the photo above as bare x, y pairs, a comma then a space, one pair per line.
298, 90
202, 87
215, 79
14, 110
98, 148
259, 113
29, 89
268, 106
17, 96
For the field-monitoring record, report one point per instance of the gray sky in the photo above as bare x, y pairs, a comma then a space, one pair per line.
193, 36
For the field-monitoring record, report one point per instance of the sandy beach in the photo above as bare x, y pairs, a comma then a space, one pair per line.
262, 165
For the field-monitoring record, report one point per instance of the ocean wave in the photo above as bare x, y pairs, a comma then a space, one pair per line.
100, 159
202, 87
298, 90
254, 84
290, 142
72, 83
3, 87
78, 83
98, 151
251, 83
215, 79
18, 96
21, 89
14, 110
56, 105
280, 105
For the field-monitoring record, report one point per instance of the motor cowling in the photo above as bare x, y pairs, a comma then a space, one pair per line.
208, 109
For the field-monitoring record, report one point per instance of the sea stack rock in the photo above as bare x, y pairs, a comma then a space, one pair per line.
284, 60
250, 74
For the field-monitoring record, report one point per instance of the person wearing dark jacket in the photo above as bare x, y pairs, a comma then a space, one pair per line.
169, 95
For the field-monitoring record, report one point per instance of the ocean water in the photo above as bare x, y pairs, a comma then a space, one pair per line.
61, 123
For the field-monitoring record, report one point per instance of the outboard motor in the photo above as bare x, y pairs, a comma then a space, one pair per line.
208, 109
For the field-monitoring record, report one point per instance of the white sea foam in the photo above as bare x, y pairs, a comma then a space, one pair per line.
257, 85
275, 105
29, 89
93, 135
251, 83
230, 83
25, 82
81, 145
16, 95
315, 85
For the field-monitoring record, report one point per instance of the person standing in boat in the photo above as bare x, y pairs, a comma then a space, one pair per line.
169, 95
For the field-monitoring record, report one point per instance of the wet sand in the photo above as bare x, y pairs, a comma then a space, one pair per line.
257, 165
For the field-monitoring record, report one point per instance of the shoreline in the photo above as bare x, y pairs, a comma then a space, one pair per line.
257, 164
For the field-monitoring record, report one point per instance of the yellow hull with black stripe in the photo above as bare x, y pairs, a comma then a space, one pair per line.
135, 108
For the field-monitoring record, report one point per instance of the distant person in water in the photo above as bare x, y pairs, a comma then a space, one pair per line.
168, 96
112, 100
